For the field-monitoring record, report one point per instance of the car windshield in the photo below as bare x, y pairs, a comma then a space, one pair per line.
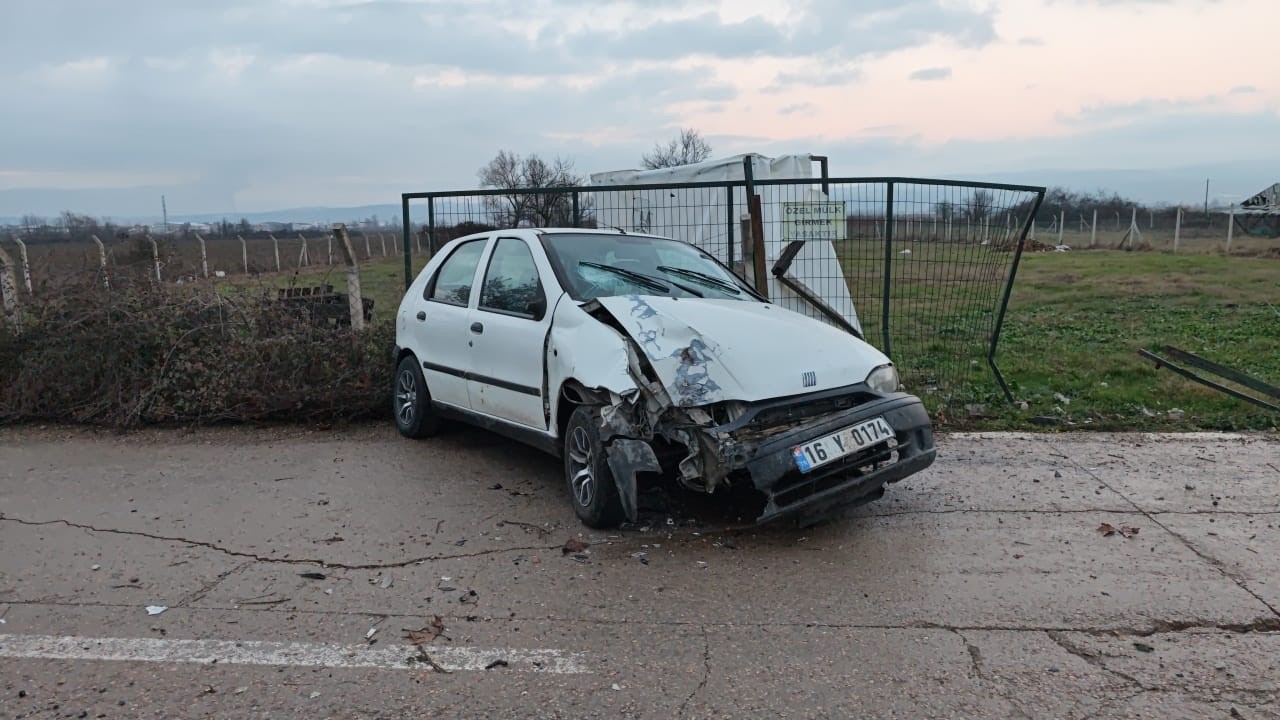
599, 265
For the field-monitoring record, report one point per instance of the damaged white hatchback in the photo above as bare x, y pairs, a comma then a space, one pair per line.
629, 354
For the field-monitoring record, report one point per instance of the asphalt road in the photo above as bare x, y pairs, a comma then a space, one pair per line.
292, 564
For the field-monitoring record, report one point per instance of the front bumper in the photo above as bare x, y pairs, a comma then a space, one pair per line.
852, 479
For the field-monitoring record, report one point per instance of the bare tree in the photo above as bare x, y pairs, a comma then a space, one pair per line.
685, 149
979, 205
508, 171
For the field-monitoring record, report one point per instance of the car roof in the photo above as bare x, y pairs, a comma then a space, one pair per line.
530, 233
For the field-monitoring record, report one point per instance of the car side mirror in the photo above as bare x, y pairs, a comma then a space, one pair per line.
537, 308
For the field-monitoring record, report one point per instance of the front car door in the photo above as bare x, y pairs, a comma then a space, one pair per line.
508, 330
441, 334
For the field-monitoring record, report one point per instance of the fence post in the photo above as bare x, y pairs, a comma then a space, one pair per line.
276, 245
431, 227
26, 266
244, 253
1177, 229
1133, 226
888, 268
368, 254
155, 255
406, 228
1231, 227
1062, 223
102, 260
204, 257
383, 239
576, 218
758, 272
305, 256
330, 241
9, 293
1093, 230
354, 302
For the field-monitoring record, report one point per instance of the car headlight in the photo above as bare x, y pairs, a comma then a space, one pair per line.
883, 379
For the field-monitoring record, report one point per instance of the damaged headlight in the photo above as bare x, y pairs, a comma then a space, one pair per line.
883, 379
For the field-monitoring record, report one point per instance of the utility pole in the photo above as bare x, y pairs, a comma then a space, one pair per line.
164, 212
1206, 197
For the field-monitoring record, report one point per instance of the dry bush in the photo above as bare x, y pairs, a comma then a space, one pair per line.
140, 354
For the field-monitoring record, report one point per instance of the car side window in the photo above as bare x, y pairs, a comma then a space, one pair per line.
511, 282
452, 283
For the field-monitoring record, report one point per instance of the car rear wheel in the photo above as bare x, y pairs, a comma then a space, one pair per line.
586, 469
411, 401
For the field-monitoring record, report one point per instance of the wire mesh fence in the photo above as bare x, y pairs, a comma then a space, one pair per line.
921, 269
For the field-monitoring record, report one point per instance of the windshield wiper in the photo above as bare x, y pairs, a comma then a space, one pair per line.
638, 278
701, 277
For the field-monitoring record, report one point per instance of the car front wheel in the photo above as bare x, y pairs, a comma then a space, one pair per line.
411, 402
591, 488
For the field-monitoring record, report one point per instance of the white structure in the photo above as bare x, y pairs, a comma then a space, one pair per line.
698, 216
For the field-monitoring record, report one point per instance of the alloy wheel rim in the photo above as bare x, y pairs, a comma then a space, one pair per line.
580, 478
406, 397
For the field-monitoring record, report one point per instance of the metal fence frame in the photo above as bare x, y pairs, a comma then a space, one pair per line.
749, 185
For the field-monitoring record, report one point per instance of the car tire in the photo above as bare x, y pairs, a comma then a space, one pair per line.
411, 401
586, 470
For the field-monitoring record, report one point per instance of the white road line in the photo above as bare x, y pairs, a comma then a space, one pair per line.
297, 654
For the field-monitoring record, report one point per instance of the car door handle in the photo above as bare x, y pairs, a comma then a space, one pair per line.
477, 328
422, 315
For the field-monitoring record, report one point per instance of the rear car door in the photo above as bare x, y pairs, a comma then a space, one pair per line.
440, 325
508, 329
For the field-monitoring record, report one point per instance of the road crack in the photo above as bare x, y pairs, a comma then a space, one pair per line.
706, 672
208, 587
268, 558
1212, 561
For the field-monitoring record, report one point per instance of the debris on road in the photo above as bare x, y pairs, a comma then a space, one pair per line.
95, 567
470, 598
156, 609
313, 695
312, 575
496, 664
385, 582
1143, 647
574, 545
427, 633
372, 631
1124, 531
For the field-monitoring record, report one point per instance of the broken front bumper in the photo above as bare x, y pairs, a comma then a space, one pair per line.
852, 479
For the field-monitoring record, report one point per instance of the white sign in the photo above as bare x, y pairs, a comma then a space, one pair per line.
822, 220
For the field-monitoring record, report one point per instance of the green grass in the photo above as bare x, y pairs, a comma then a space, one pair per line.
1077, 320
1075, 323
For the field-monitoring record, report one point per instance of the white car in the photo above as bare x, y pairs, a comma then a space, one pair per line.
629, 354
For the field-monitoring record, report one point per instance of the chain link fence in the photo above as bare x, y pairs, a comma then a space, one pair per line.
920, 268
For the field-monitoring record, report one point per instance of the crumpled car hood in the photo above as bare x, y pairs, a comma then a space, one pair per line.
707, 350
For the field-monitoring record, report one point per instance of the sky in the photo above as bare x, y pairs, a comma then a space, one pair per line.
252, 105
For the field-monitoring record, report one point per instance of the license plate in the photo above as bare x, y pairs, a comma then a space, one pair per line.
823, 450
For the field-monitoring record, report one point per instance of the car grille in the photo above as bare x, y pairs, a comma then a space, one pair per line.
775, 419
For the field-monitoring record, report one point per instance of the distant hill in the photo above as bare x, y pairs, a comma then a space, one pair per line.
321, 215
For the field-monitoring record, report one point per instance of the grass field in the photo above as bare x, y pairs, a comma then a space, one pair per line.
1077, 320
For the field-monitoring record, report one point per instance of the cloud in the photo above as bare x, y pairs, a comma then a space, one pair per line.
931, 74
253, 104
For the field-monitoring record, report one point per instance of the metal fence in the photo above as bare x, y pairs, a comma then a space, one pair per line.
920, 268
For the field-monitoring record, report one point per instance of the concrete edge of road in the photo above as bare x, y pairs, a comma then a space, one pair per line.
1128, 435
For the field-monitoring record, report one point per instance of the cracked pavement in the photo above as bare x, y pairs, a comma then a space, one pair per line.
979, 588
